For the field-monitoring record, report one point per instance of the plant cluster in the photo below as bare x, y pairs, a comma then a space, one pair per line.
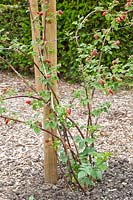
83, 165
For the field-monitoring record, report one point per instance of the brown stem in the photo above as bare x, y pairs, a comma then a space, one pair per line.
64, 174
66, 153
16, 120
75, 145
101, 53
24, 96
18, 74
76, 126
89, 120
75, 157
26, 81
73, 173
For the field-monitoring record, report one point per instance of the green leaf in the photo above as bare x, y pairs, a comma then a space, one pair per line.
99, 8
81, 174
84, 101
56, 144
77, 94
62, 155
92, 173
103, 167
2, 110
90, 140
50, 124
81, 144
31, 198
98, 175
36, 129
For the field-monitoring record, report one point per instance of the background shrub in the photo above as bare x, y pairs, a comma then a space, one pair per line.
16, 22
73, 11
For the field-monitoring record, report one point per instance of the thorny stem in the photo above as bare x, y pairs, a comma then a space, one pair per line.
66, 136
84, 20
10, 118
25, 54
63, 172
77, 158
20, 121
89, 121
64, 146
67, 156
53, 135
26, 81
101, 54
49, 87
71, 172
69, 145
24, 96
18, 74
76, 126
76, 177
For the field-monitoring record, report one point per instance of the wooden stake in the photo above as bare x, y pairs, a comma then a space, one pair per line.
50, 159
50, 52
35, 39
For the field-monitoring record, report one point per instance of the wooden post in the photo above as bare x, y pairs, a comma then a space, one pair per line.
35, 25
50, 158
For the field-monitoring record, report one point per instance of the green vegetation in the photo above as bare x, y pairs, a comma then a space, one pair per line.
15, 22
89, 52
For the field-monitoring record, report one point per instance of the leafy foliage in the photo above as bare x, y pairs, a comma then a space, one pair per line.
73, 13
19, 31
96, 23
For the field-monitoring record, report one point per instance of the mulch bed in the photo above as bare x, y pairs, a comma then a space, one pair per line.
21, 150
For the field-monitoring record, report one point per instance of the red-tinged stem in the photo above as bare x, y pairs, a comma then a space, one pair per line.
76, 127
24, 96
20, 121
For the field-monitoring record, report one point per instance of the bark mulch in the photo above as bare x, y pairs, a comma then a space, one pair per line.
21, 150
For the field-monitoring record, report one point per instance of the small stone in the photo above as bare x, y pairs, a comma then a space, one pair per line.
124, 183
54, 187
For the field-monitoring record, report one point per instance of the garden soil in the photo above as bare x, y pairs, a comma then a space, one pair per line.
21, 150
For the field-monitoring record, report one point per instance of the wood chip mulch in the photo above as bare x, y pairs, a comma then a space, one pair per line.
21, 150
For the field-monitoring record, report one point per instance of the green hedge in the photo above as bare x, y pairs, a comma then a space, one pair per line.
73, 10
17, 23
